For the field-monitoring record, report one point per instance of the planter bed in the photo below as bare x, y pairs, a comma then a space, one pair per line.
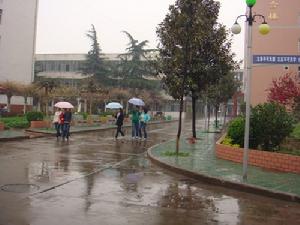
39, 124
265, 159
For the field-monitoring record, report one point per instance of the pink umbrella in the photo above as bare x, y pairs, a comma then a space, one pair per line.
64, 105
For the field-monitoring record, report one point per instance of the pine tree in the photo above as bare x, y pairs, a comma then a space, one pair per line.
94, 64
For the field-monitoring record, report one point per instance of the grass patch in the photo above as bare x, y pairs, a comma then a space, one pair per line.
289, 151
171, 153
296, 132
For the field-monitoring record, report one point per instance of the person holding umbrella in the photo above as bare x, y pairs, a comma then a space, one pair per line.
144, 119
57, 123
135, 122
65, 117
66, 123
119, 122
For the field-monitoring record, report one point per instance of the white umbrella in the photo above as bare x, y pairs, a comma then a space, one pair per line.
114, 105
64, 105
136, 101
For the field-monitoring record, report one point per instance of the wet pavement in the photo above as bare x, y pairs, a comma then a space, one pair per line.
202, 159
94, 179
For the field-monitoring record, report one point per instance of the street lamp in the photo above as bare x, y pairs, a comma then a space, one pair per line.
264, 28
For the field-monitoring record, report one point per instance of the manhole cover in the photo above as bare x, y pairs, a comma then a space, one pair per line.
20, 188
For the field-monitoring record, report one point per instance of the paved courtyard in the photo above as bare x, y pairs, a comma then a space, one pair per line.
94, 179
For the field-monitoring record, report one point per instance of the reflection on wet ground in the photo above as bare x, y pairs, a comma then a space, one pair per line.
94, 179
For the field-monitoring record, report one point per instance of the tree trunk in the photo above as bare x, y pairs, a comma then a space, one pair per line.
216, 115
39, 105
85, 105
205, 116
194, 114
47, 107
91, 103
208, 116
179, 125
8, 102
25, 105
52, 105
225, 113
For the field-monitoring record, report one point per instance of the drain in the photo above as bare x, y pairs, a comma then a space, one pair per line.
20, 188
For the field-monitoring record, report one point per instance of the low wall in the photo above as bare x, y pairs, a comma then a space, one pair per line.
40, 124
269, 160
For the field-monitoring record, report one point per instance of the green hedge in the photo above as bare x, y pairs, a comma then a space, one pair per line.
34, 116
15, 122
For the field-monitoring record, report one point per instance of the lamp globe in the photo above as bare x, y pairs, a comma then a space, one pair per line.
264, 28
236, 28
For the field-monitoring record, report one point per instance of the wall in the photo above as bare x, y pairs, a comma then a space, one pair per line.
269, 160
17, 44
282, 40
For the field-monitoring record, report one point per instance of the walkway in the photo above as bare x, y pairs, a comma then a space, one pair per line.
202, 160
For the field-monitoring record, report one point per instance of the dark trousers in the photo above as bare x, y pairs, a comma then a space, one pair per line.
119, 130
57, 128
143, 129
135, 129
66, 130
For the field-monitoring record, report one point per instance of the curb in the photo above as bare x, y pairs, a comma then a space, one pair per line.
15, 138
43, 133
248, 188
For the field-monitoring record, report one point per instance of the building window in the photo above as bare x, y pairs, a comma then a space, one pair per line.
1, 12
67, 67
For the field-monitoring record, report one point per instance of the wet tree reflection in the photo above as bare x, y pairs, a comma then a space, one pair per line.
182, 195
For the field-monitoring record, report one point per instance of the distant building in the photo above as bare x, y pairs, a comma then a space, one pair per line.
278, 52
17, 39
17, 42
65, 68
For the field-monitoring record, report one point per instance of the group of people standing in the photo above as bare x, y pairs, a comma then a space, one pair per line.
62, 121
139, 119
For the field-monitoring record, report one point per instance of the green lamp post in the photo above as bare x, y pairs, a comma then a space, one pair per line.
264, 29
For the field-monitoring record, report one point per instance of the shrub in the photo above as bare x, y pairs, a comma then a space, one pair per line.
84, 115
236, 131
269, 125
15, 122
106, 113
228, 141
33, 116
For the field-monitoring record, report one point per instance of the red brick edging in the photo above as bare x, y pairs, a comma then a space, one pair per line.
39, 124
1, 126
269, 160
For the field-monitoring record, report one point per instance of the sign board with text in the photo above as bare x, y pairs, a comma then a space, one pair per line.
276, 59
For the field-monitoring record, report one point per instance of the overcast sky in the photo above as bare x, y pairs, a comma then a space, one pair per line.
62, 24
